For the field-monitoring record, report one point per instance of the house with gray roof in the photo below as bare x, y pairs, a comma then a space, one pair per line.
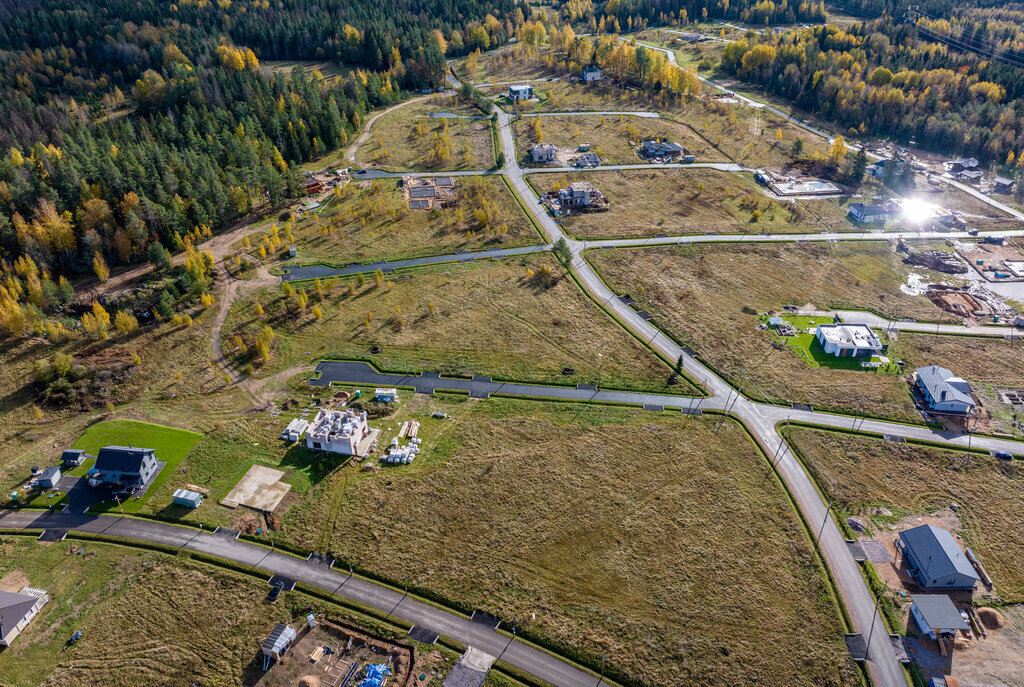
944, 392
663, 150
933, 557
126, 466
936, 615
276, 645
17, 610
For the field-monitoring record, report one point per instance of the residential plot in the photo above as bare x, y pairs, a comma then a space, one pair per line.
863, 473
644, 202
424, 136
493, 513
521, 320
710, 297
613, 138
371, 220
563, 95
147, 618
514, 63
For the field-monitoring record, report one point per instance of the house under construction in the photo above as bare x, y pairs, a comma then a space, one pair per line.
427, 193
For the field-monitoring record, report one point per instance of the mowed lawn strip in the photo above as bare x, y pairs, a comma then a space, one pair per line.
497, 318
688, 201
861, 472
409, 139
664, 544
171, 445
371, 220
709, 297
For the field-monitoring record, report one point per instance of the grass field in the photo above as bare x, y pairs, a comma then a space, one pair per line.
370, 220
147, 618
410, 139
655, 541
689, 201
567, 96
488, 318
861, 472
171, 444
699, 294
512, 64
614, 138
805, 344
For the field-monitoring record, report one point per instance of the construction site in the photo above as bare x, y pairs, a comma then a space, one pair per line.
972, 302
995, 259
329, 653
429, 193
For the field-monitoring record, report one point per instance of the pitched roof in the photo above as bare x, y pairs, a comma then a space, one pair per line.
51, 472
121, 458
865, 209
944, 386
279, 638
1003, 181
939, 612
13, 608
72, 454
936, 552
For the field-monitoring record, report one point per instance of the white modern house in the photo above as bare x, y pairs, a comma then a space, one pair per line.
338, 431
943, 391
17, 610
591, 74
520, 91
848, 340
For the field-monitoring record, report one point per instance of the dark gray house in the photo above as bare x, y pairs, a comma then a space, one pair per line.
934, 558
73, 457
127, 466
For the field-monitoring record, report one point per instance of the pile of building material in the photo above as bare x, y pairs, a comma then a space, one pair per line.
401, 455
295, 429
935, 260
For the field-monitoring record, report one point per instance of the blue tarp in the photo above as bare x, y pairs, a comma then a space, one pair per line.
375, 674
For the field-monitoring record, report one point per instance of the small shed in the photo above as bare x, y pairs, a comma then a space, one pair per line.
936, 615
185, 497
72, 457
50, 477
1004, 185
276, 645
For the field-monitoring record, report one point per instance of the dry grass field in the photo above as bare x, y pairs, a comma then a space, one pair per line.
699, 295
614, 138
371, 220
140, 612
410, 139
488, 318
689, 201
515, 63
909, 479
655, 541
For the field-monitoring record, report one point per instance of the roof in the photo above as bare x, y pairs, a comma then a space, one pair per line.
51, 472
543, 146
187, 494
972, 173
72, 454
864, 209
849, 335
662, 147
121, 458
591, 70
939, 612
1003, 181
520, 87
944, 386
13, 608
280, 637
936, 552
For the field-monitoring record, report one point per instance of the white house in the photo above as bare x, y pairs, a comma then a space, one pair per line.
337, 431
543, 152
17, 610
591, 74
871, 213
848, 340
943, 391
520, 92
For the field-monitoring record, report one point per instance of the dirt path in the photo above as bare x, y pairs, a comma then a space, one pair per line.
233, 289
351, 152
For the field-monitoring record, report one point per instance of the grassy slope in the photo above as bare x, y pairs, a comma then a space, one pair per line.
911, 479
395, 145
371, 220
607, 525
490, 319
690, 201
698, 294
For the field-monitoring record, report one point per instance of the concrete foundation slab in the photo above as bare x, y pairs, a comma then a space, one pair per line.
260, 489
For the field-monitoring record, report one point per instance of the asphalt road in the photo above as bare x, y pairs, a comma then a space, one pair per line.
523, 656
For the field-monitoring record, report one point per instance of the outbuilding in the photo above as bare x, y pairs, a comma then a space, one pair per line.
185, 497
386, 395
1004, 185
73, 457
50, 477
276, 645
933, 557
943, 391
936, 615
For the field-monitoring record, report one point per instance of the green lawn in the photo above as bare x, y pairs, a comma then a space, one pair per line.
171, 444
806, 345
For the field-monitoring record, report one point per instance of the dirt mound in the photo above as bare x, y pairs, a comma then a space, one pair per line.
309, 681
991, 618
